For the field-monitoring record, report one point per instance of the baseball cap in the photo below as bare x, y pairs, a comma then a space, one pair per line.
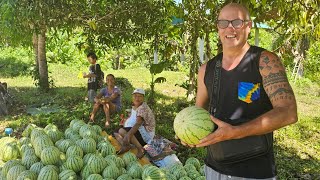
139, 91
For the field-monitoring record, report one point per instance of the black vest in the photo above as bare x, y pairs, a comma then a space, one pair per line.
242, 96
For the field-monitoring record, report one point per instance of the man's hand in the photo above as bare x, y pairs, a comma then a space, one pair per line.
224, 132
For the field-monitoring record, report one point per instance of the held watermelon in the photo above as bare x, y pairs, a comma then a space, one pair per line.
192, 124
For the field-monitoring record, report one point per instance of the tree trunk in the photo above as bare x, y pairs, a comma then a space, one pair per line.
208, 47
35, 50
193, 64
42, 60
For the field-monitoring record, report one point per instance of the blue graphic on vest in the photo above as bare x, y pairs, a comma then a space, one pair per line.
248, 92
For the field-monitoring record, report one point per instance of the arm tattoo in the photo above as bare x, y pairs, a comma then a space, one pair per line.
273, 78
275, 81
281, 93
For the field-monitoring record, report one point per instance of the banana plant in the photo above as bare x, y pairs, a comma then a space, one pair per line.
154, 70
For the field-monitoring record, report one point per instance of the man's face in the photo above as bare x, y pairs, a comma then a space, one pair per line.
137, 99
233, 35
91, 60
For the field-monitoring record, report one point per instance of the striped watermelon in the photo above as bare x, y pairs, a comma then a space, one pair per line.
111, 172
96, 164
54, 135
106, 150
97, 128
36, 132
29, 160
129, 157
74, 163
135, 171
49, 173
27, 175
85, 173
125, 177
192, 124
8, 165
88, 145
50, 155
95, 177
36, 167
27, 131
74, 150
10, 151
40, 143
194, 161
25, 140
64, 144
68, 175
63, 167
180, 173
15, 171
152, 173
193, 174
68, 132
189, 167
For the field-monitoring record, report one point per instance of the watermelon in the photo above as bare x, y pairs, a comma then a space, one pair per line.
27, 175
50, 155
36, 167
29, 160
74, 150
67, 175
96, 164
193, 161
15, 171
124, 177
48, 172
129, 157
88, 145
153, 173
74, 163
85, 173
8, 165
95, 177
25, 140
10, 151
27, 131
193, 124
135, 171
111, 172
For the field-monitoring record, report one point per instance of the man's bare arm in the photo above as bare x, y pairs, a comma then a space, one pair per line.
202, 97
281, 95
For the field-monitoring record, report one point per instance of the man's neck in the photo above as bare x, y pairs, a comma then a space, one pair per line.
233, 56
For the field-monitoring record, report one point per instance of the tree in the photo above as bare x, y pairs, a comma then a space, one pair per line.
104, 23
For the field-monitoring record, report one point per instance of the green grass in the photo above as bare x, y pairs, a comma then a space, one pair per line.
297, 146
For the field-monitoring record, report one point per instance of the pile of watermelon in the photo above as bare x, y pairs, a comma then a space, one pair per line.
81, 152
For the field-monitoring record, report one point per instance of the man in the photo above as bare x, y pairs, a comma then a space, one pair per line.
94, 72
109, 98
253, 87
139, 129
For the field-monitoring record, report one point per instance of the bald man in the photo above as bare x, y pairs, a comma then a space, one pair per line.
253, 99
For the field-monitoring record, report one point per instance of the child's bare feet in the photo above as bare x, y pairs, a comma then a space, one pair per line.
107, 124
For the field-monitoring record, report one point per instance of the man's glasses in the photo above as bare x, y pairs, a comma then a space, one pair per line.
236, 23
